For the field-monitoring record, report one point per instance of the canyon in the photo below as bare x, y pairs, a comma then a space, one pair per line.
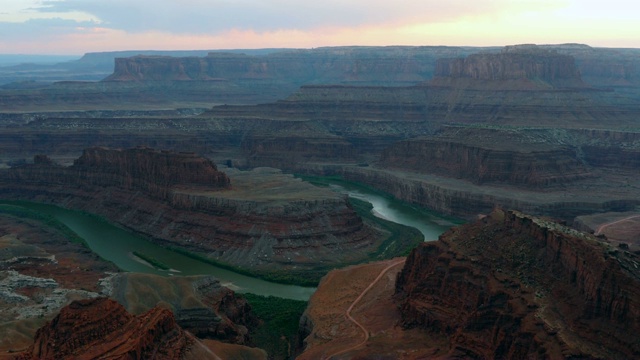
548, 133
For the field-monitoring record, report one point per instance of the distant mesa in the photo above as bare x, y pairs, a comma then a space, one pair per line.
520, 67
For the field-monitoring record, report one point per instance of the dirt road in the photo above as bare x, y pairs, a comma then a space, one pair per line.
355, 302
603, 226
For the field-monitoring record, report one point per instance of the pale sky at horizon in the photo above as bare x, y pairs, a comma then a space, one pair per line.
81, 26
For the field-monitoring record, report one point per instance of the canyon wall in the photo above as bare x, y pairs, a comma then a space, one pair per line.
154, 172
514, 286
484, 156
390, 65
212, 312
150, 80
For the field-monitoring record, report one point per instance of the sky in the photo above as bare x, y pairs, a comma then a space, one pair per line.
79, 26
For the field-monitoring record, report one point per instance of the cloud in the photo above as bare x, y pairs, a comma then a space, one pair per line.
41, 29
77, 26
215, 16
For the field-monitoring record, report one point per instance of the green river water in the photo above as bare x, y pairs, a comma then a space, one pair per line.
117, 245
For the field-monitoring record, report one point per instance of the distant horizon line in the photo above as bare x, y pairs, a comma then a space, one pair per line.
299, 48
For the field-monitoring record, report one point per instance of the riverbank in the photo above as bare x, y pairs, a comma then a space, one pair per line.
465, 200
386, 206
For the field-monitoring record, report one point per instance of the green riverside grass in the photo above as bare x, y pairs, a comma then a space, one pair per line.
310, 279
402, 238
278, 330
14, 209
151, 260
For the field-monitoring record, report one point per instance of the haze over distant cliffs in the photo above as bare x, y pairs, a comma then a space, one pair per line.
148, 79
521, 67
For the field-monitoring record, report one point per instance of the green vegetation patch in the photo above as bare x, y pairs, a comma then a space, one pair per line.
280, 318
151, 260
305, 278
14, 209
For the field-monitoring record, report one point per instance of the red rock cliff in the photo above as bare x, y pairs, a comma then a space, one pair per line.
515, 286
102, 328
154, 172
483, 156
539, 67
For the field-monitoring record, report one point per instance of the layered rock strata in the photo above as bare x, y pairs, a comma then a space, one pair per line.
323, 65
464, 199
300, 227
514, 286
100, 328
155, 173
252, 77
483, 156
524, 67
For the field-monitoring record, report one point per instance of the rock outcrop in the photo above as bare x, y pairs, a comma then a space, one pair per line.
98, 328
41, 271
516, 286
154, 172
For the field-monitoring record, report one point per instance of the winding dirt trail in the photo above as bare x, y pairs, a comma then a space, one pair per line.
601, 227
355, 302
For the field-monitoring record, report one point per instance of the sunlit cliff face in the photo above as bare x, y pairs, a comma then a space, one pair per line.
75, 27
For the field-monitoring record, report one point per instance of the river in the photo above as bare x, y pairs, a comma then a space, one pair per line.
429, 223
117, 245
